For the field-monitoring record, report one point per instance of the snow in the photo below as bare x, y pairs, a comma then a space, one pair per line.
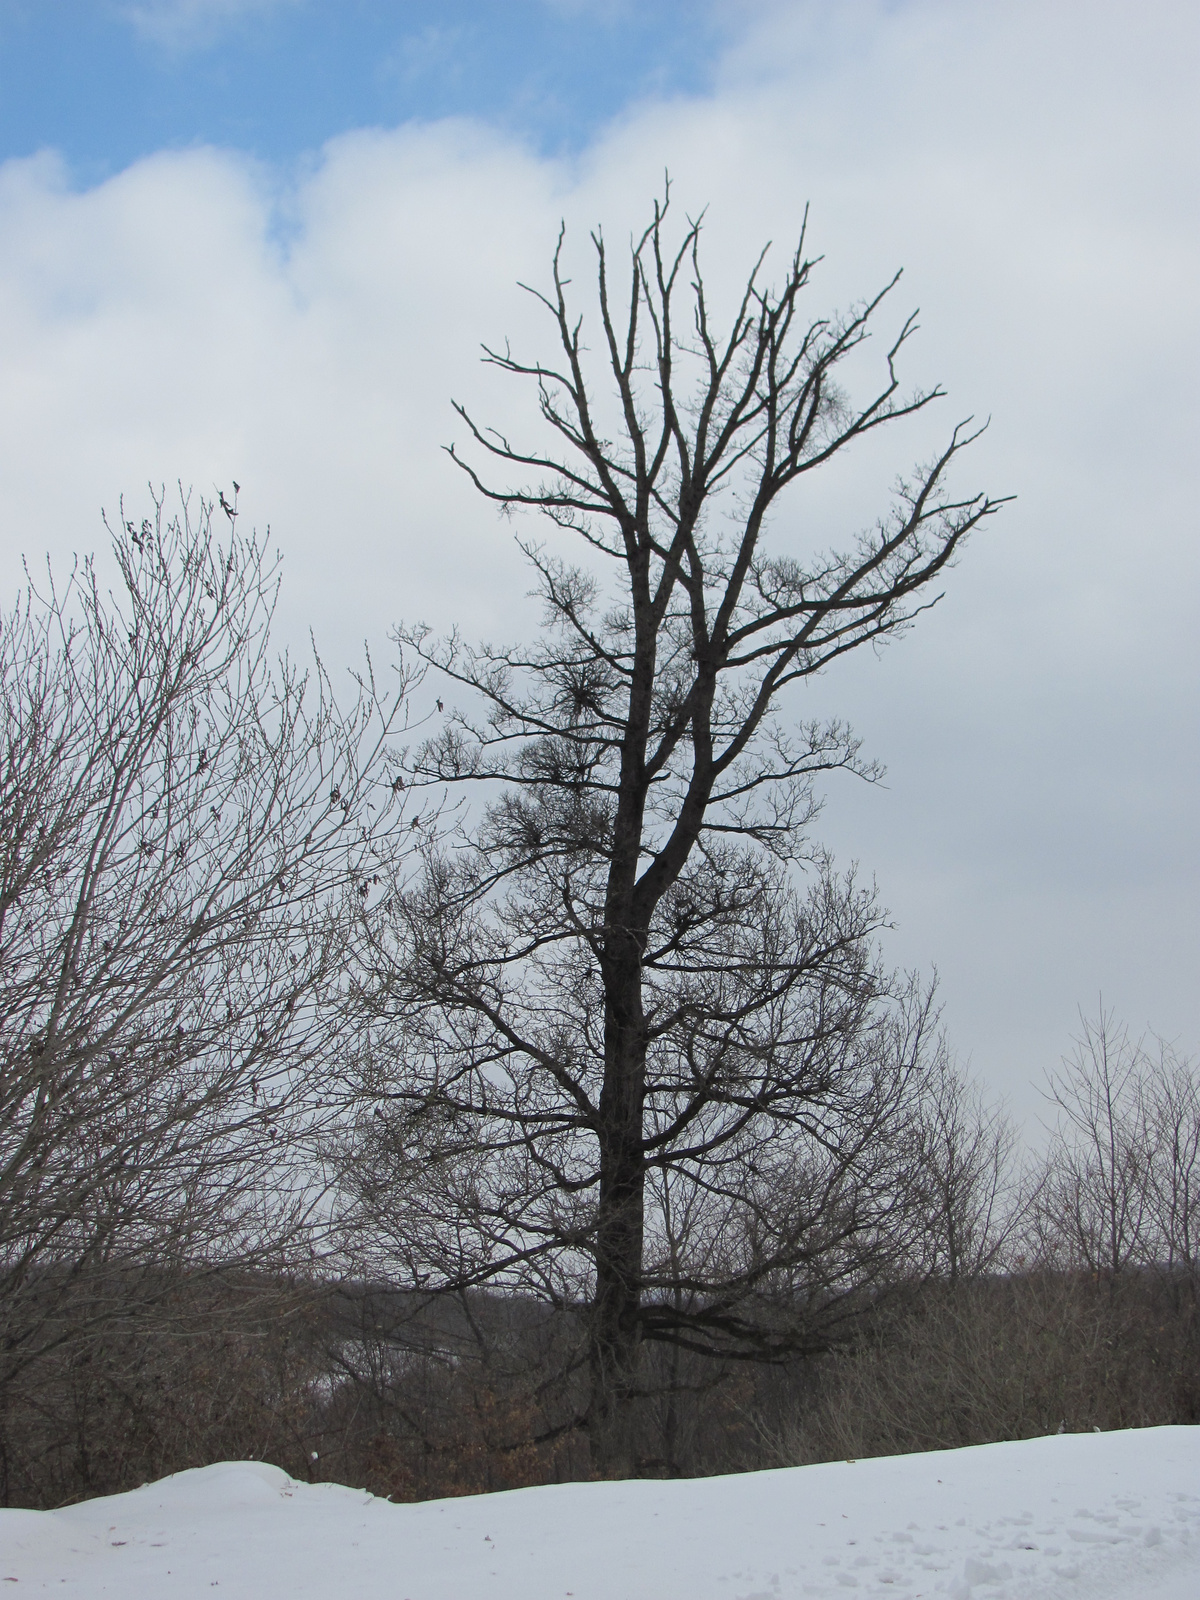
1103, 1517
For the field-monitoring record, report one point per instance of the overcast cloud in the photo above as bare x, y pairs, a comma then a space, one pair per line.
1033, 168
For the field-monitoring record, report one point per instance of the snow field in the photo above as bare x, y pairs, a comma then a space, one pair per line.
1082, 1517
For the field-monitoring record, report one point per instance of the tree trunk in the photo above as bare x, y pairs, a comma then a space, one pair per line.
615, 1348
615, 1336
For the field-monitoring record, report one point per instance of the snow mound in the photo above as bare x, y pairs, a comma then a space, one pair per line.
1102, 1517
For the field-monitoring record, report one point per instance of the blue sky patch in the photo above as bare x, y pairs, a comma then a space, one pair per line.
106, 83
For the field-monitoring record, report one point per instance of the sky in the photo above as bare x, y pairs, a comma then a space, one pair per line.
263, 240
107, 82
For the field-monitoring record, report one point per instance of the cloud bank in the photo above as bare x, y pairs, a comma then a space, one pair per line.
202, 318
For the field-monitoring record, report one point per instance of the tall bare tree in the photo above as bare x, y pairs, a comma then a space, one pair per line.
181, 822
632, 990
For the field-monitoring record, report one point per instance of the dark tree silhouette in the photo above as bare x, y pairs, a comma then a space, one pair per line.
630, 1047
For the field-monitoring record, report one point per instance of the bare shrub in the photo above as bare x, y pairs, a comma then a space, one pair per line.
455, 1395
182, 824
1009, 1358
214, 1369
1080, 1313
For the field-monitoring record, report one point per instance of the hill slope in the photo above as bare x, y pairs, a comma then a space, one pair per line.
1110, 1515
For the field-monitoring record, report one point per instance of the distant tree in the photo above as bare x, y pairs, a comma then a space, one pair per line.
1120, 1181
963, 1168
1092, 1203
1173, 1202
180, 825
631, 1048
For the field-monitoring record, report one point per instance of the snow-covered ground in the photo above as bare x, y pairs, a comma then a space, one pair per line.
1108, 1515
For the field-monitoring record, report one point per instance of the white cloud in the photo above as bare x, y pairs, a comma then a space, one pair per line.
179, 26
1036, 178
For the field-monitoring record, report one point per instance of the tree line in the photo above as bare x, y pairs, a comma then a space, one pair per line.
543, 1014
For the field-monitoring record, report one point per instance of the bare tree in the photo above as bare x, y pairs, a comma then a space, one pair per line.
964, 1178
1092, 1205
1173, 1114
180, 825
1120, 1185
633, 976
